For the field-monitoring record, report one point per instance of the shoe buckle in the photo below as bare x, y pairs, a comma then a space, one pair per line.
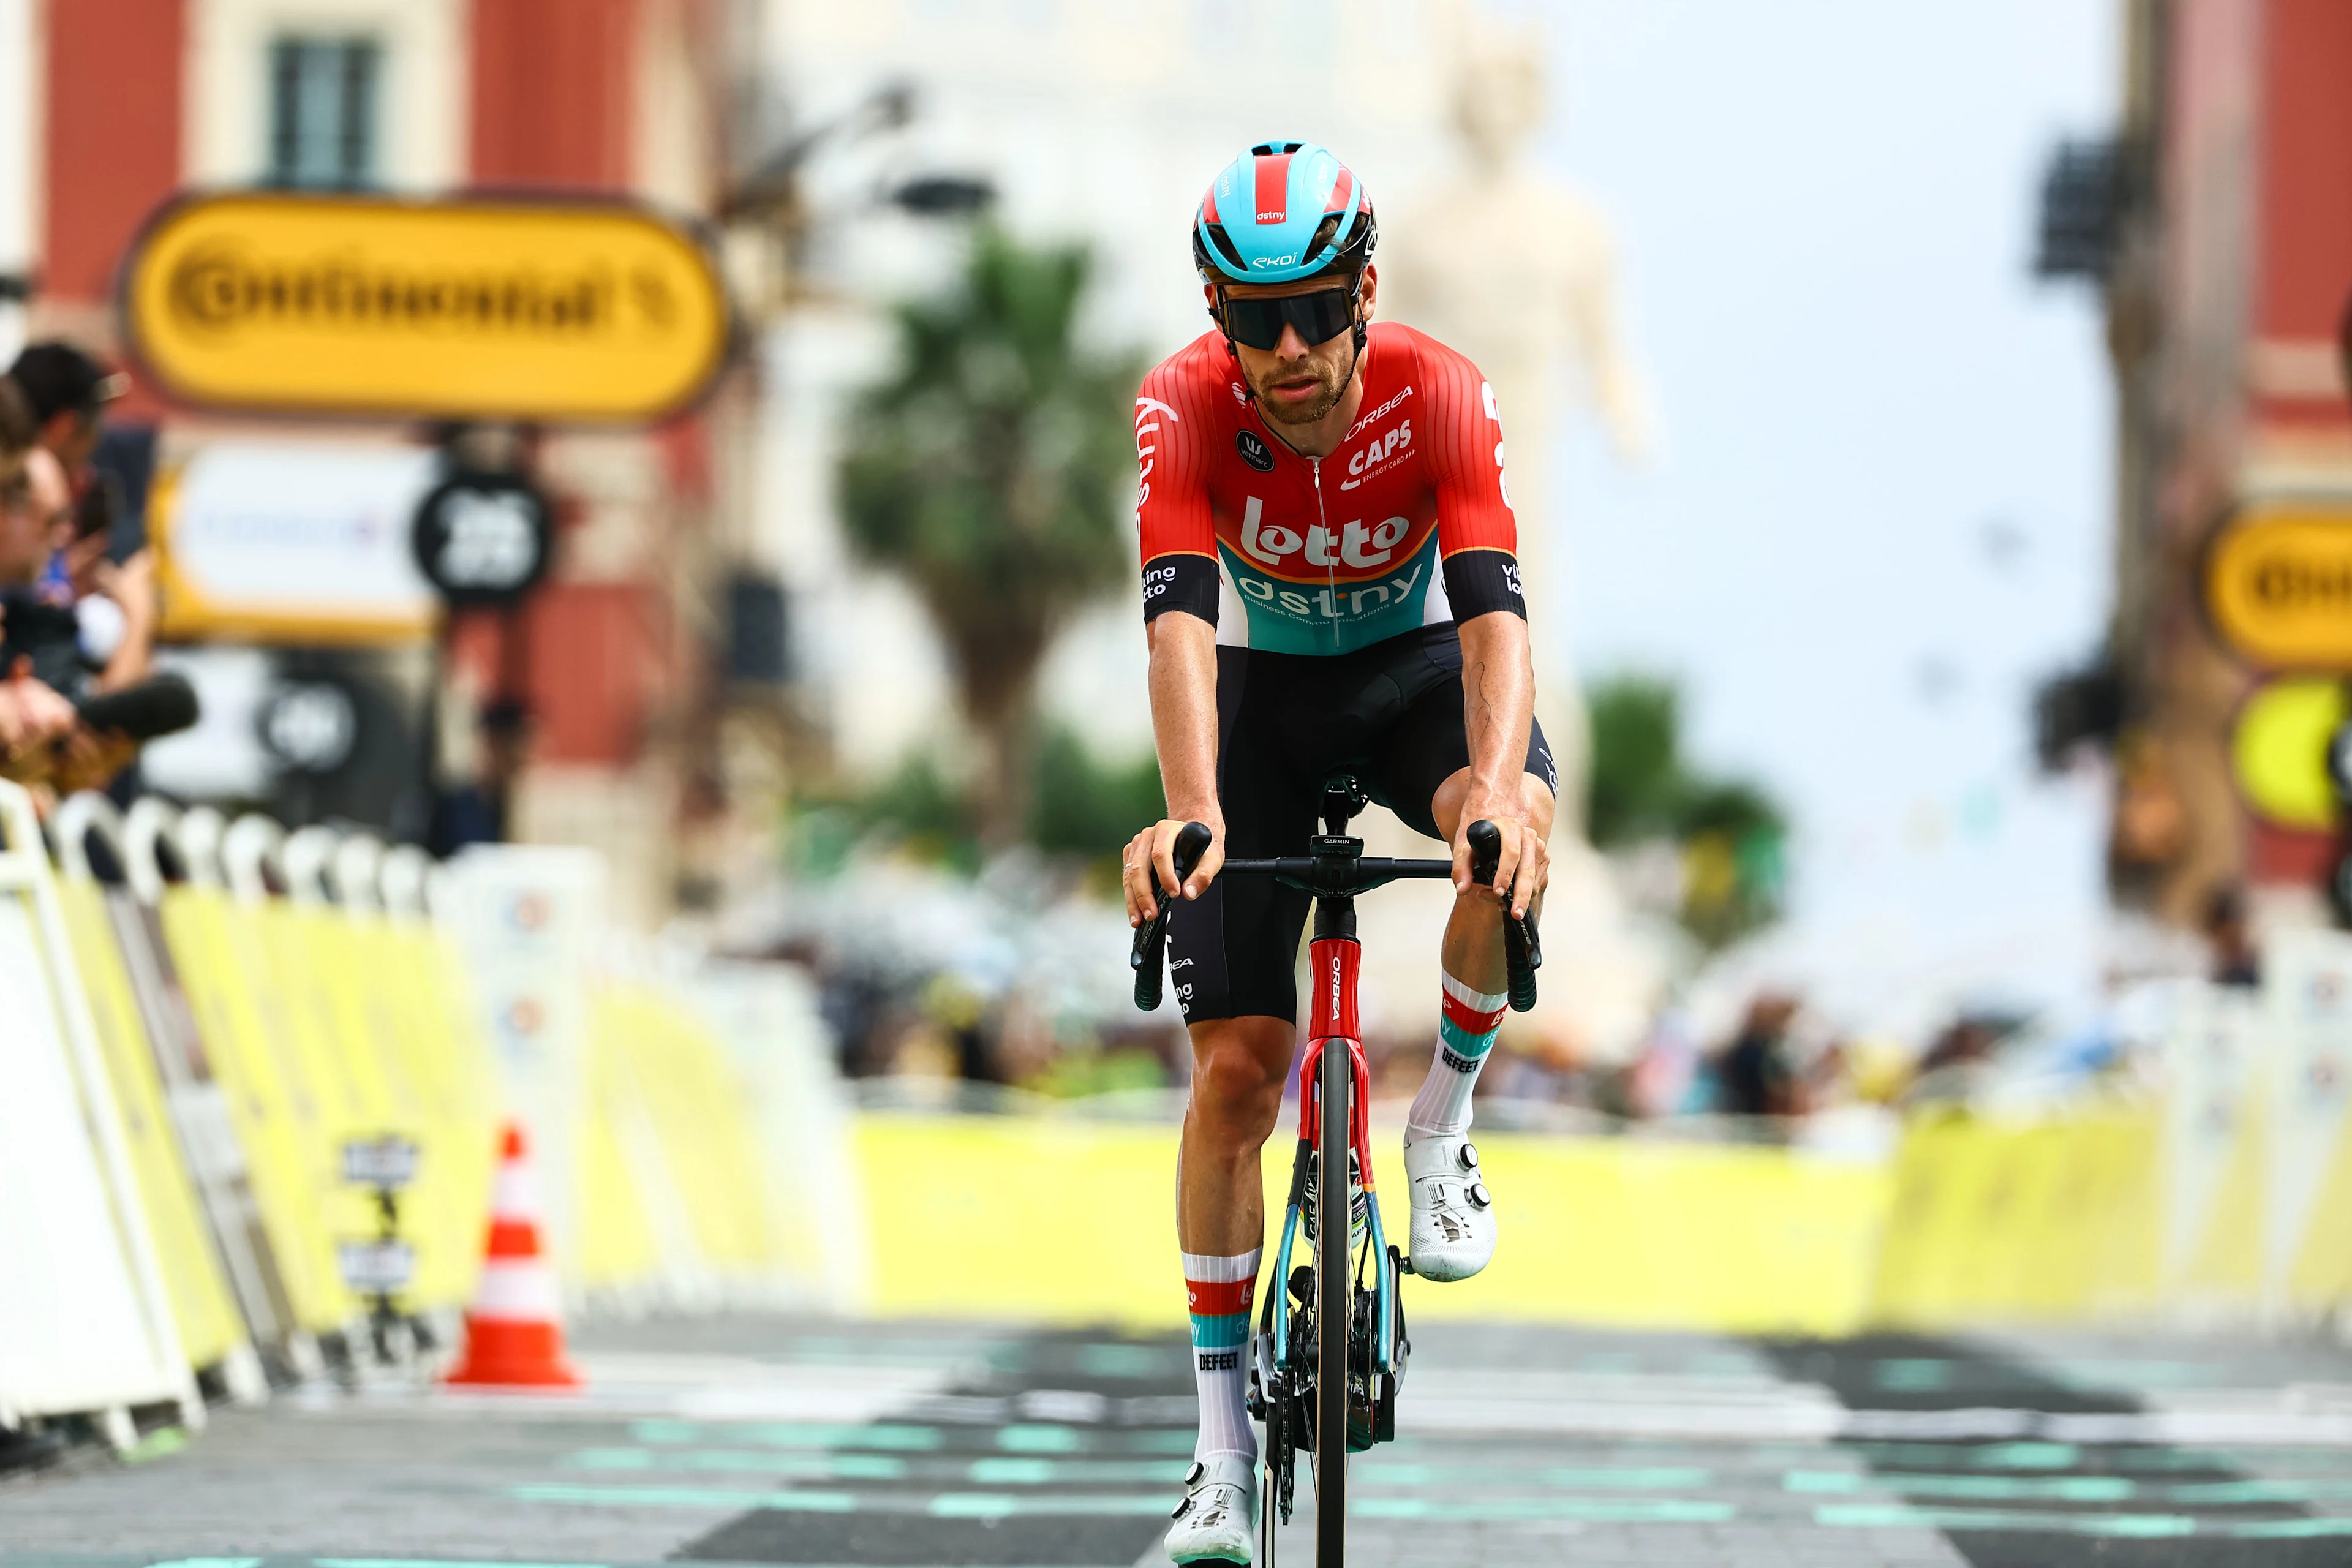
1476, 1193
1467, 1156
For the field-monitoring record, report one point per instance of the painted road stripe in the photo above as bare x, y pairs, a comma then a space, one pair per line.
2001, 1489
1379, 1472
687, 1497
2038, 1455
896, 1436
1899, 1516
817, 1466
1009, 1471
1587, 1510
431, 1562
1591, 1510
2151, 1525
1023, 1470
1003, 1505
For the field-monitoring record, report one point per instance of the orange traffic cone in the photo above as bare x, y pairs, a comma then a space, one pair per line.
514, 1335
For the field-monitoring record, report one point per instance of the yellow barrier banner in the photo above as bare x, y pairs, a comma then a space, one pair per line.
283, 1116
681, 1116
439, 1042
1728, 1239
210, 1328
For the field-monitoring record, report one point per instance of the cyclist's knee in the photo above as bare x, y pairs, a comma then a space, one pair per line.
1445, 805
1239, 1066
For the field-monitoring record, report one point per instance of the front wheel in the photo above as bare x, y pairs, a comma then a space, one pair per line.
1334, 1279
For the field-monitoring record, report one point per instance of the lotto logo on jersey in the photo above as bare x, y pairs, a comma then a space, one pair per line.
1308, 616
1362, 547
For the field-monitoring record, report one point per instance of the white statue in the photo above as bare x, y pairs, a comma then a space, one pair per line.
1515, 273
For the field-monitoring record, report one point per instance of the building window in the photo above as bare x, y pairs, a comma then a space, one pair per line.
322, 113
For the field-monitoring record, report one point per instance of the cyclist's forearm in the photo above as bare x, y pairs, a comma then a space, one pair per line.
1499, 699
1184, 714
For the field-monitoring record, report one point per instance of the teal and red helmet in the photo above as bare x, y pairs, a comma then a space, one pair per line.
1280, 212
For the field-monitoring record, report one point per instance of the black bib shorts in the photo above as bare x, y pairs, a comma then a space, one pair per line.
1391, 714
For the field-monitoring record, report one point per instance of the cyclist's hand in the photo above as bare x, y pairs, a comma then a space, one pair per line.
1149, 866
1522, 871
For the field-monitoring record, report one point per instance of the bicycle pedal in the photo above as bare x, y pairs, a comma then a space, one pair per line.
1404, 1264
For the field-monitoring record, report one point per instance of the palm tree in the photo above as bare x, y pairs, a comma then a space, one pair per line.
992, 472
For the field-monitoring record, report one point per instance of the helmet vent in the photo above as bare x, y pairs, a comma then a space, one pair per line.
1226, 247
1322, 240
1274, 149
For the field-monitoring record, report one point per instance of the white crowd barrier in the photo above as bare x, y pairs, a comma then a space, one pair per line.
86, 1321
192, 1051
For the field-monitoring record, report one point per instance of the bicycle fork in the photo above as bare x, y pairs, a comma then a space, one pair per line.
1287, 1370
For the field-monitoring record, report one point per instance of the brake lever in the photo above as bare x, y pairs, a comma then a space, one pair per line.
1522, 949
1148, 955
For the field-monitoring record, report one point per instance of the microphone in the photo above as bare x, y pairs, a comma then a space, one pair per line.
158, 706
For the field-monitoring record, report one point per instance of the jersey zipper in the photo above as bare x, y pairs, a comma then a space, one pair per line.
1330, 572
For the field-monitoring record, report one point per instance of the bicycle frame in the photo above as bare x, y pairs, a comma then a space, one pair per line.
1334, 962
1289, 1383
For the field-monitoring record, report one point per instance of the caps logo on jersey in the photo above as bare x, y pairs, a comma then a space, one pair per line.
1253, 451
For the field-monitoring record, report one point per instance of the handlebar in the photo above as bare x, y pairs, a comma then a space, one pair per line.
1522, 951
1149, 957
1340, 871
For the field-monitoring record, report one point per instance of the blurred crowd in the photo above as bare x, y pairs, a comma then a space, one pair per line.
993, 990
78, 592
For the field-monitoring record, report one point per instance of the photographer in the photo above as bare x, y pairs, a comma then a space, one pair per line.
42, 652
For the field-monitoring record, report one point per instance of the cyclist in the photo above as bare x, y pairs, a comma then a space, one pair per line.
1328, 583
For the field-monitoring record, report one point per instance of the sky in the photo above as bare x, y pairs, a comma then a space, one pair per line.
1880, 508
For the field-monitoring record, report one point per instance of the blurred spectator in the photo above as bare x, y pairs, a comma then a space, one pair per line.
32, 713
68, 392
1965, 1042
65, 392
1755, 1071
2235, 959
1666, 1079
476, 811
113, 601
36, 526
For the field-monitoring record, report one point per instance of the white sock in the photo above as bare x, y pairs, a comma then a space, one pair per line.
1465, 1033
1220, 1290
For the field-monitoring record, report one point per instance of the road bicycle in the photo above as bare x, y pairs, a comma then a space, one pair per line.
1341, 1310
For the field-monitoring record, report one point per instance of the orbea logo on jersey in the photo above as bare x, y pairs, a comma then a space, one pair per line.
1384, 408
1359, 547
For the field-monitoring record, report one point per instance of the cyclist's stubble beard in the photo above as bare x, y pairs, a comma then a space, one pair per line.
1330, 363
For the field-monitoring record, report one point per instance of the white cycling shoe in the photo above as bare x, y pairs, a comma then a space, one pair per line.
1453, 1216
1217, 1520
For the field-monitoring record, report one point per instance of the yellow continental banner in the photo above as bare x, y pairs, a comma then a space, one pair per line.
2278, 583
518, 310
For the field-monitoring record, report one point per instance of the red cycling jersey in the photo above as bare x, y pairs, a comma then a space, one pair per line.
1407, 524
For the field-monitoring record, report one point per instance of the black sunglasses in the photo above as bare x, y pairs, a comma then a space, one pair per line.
1319, 317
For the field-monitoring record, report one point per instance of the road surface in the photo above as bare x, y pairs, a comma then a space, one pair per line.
782, 1441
